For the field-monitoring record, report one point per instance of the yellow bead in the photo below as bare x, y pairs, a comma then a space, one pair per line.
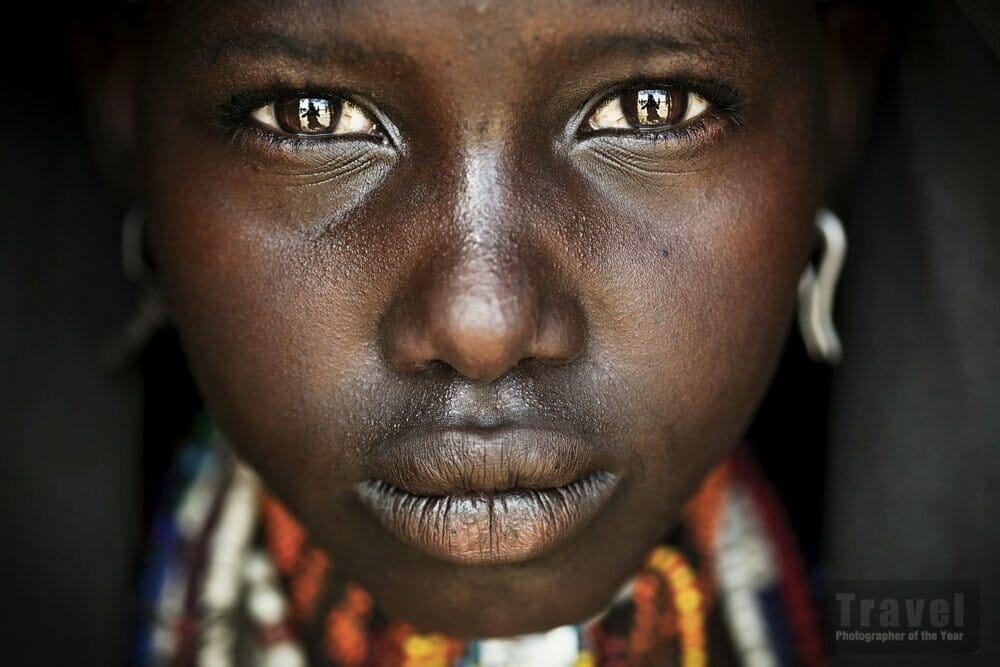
695, 658
691, 624
681, 578
417, 646
659, 559
689, 600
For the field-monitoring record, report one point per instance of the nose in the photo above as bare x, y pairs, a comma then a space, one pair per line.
482, 315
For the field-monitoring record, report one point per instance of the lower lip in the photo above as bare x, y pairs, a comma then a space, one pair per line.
488, 528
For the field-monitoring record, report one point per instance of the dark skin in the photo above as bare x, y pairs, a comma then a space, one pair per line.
483, 258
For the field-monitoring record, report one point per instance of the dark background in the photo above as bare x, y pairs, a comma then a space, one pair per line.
889, 465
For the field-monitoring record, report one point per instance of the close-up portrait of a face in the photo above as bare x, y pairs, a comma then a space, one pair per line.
479, 333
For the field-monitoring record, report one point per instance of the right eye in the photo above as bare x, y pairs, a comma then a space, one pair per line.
648, 108
316, 117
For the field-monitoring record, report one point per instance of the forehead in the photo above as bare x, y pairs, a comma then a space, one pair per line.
449, 33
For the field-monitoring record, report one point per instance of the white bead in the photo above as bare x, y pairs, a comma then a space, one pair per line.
232, 535
745, 566
214, 655
285, 654
266, 605
760, 657
556, 648
258, 569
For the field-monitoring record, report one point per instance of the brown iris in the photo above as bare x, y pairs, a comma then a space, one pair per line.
307, 115
654, 107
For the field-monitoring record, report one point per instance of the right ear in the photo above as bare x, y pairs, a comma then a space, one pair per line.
856, 38
106, 55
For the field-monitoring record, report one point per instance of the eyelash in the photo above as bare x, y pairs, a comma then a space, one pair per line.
727, 109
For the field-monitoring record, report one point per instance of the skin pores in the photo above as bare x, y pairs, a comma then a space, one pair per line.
423, 335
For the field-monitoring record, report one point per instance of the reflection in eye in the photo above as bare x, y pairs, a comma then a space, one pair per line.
648, 109
316, 116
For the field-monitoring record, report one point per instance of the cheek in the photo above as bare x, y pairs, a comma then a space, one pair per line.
709, 294
274, 310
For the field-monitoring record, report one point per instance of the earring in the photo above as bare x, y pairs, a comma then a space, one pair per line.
816, 292
150, 313
134, 260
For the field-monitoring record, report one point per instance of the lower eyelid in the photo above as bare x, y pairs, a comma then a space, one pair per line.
676, 143
621, 160
316, 153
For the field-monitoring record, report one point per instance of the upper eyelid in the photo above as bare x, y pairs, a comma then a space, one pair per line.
719, 93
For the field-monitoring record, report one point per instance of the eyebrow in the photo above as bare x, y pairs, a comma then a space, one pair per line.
695, 40
276, 44
700, 40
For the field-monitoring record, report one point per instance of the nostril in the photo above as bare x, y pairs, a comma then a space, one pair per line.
552, 361
562, 333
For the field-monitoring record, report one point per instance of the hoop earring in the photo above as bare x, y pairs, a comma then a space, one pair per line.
150, 313
135, 264
816, 291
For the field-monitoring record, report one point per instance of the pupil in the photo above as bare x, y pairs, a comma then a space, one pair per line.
307, 115
653, 107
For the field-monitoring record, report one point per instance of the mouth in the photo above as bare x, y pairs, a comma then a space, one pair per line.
492, 496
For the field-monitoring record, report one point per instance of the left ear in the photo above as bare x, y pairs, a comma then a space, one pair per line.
105, 49
856, 39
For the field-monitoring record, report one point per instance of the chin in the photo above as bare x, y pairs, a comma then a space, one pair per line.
565, 582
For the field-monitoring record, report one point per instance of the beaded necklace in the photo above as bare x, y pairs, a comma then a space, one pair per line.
233, 579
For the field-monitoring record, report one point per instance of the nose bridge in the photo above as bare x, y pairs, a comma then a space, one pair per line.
480, 300
478, 216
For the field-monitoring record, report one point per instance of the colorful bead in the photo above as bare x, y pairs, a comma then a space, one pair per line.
346, 628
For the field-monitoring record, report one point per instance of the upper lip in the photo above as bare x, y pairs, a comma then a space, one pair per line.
445, 461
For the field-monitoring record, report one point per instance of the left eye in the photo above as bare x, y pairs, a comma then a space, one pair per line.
647, 108
316, 117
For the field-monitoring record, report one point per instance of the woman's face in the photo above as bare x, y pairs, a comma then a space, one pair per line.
482, 289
